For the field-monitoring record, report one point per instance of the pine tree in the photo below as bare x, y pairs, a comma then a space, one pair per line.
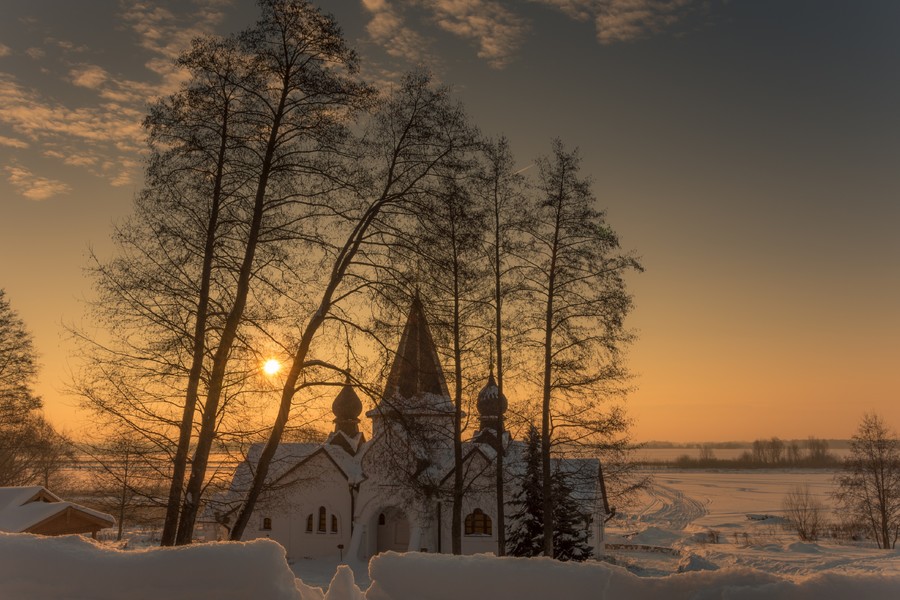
525, 536
570, 534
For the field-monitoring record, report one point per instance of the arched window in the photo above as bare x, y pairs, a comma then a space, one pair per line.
267, 523
322, 519
381, 519
309, 523
333, 523
478, 523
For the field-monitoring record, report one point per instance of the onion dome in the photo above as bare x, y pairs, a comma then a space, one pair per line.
346, 408
491, 403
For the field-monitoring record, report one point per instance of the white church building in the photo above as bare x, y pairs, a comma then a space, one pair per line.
353, 497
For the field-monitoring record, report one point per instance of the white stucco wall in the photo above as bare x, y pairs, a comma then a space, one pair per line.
315, 483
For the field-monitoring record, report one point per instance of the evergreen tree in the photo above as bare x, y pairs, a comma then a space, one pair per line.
570, 533
525, 536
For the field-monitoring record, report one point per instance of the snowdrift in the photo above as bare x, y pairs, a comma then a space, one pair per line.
441, 577
50, 568
37, 568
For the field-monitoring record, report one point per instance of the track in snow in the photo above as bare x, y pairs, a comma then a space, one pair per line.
670, 508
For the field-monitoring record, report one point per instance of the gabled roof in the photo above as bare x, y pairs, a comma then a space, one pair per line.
416, 380
22, 508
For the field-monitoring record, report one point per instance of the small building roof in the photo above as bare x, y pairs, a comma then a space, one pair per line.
23, 509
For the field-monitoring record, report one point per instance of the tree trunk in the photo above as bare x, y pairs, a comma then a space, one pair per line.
206, 437
179, 466
546, 471
456, 531
342, 263
498, 340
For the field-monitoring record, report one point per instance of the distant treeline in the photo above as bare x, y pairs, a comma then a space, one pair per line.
812, 453
833, 444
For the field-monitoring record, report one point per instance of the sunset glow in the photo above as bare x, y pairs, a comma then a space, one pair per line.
271, 367
745, 151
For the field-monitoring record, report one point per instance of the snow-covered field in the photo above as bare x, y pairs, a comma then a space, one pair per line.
693, 519
693, 535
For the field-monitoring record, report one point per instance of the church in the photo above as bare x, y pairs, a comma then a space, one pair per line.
350, 497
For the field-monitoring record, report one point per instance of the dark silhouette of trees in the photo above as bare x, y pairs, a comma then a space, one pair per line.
804, 512
18, 366
574, 273
299, 101
501, 189
869, 487
128, 479
31, 450
415, 133
244, 159
527, 523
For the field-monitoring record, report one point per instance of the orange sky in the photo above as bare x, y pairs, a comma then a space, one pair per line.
747, 151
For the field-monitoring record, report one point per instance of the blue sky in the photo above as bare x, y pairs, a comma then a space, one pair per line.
747, 150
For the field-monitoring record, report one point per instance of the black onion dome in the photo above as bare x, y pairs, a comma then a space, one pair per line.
347, 405
490, 401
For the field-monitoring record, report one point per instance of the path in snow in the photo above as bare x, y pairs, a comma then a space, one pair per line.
670, 508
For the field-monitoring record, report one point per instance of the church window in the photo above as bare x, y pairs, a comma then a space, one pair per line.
309, 523
334, 524
266, 523
381, 519
478, 523
322, 519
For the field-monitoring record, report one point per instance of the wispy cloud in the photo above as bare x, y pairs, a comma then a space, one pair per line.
33, 187
625, 20
498, 27
12, 142
5, 50
387, 28
101, 130
496, 30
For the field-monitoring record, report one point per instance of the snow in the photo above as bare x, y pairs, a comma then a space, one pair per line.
48, 568
24, 507
663, 547
237, 570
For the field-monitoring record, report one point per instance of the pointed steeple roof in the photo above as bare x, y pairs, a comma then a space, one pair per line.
416, 372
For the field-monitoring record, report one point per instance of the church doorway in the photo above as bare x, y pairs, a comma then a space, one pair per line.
393, 531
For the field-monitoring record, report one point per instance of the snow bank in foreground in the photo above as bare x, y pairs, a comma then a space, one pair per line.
440, 577
38, 568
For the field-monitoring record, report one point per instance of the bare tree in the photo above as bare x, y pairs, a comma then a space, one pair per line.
301, 98
417, 131
804, 512
454, 230
575, 274
501, 188
869, 486
707, 453
128, 477
193, 132
31, 450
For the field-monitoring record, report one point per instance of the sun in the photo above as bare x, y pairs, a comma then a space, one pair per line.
271, 366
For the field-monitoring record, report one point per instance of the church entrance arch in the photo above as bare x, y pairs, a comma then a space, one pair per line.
392, 530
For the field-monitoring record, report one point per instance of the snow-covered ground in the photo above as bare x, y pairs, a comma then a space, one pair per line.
694, 519
693, 535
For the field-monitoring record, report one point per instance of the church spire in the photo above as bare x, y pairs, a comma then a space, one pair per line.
416, 369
